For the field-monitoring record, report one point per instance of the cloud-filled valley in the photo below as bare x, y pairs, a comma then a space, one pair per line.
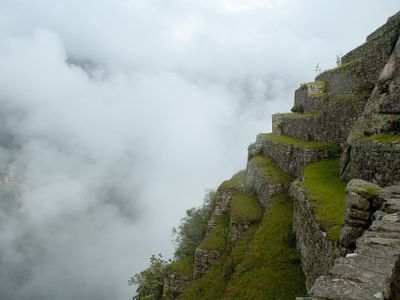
116, 116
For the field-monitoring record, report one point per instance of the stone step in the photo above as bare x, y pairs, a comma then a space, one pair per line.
375, 159
265, 179
291, 154
329, 287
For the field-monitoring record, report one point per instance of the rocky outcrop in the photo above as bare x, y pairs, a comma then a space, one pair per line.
361, 203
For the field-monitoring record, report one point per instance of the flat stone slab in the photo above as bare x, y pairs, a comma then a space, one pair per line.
329, 287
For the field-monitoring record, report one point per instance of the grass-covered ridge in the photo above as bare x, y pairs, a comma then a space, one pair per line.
245, 208
217, 239
237, 180
295, 141
270, 170
212, 285
326, 192
384, 138
271, 268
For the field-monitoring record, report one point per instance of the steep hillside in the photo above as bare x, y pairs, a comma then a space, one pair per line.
317, 209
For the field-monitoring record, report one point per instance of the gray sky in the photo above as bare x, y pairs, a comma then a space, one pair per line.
116, 115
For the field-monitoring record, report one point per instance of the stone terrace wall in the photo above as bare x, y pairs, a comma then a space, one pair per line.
332, 125
376, 51
346, 80
317, 252
263, 186
292, 158
372, 161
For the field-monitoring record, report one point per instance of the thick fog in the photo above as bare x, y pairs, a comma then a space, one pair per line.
117, 115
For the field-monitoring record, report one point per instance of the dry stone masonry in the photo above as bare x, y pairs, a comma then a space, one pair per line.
352, 111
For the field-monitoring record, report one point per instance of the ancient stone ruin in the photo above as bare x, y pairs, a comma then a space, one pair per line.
336, 159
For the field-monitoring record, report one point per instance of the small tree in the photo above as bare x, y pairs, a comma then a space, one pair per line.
193, 227
150, 281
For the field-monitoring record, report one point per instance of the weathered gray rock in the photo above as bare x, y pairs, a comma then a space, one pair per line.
361, 203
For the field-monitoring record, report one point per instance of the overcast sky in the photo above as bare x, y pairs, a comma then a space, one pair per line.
117, 115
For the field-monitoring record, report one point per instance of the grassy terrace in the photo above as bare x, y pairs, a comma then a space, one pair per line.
296, 142
326, 192
183, 267
217, 239
271, 268
246, 208
347, 99
302, 116
212, 285
267, 167
343, 66
384, 138
237, 180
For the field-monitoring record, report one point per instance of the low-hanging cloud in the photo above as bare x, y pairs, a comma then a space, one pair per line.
115, 116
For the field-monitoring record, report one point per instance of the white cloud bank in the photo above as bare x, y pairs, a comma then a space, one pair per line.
117, 115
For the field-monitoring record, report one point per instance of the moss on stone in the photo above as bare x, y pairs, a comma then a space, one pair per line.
297, 142
217, 239
267, 167
326, 192
237, 180
271, 268
183, 267
245, 208
350, 98
384, 138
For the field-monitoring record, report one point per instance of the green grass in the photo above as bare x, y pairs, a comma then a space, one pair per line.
212, 285
183, 267
217, 239
270, 170
317, 95
297, 142
384, 138
326, 191
351, 98
245, 208
237, 180
344, 66
271, 268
